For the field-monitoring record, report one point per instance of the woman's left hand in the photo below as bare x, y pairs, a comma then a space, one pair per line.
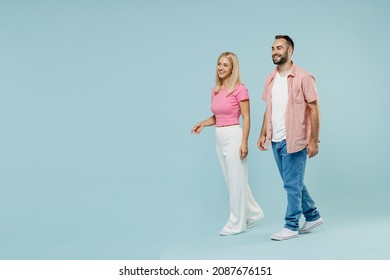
243, 151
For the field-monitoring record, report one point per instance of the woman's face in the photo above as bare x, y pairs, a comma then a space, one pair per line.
224, 68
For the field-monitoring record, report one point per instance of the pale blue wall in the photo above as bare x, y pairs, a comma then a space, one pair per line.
97, 99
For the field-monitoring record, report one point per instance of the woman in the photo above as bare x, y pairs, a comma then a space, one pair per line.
230, 100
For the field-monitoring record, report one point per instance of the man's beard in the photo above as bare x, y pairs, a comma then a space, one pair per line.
280, 60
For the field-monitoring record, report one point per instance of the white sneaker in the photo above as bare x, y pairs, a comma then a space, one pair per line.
227, 230
308, 226
284, 234
251, 222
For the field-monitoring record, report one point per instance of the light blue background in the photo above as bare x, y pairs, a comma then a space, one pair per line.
97, 99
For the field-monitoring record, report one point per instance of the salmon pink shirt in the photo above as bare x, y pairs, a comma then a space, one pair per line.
227, 108
302, 89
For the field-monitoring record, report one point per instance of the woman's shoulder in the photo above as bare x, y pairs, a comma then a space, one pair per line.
240, 87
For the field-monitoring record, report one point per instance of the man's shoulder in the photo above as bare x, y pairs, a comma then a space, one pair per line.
301, 72
271, 75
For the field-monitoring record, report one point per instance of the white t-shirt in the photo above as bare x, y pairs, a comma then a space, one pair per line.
279, 103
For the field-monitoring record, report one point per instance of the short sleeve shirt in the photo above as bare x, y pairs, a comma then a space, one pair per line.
226, 108
301, 91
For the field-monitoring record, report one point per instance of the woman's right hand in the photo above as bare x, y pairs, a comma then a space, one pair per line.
197, 128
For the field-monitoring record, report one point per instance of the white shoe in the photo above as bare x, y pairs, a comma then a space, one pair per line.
251, 222
227, 230
284, 234
308, 226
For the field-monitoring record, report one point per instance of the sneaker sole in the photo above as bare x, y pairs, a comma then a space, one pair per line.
250, 225
229, 233
283, 238
310, 228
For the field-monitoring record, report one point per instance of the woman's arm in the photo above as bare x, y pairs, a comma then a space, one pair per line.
199, 126
245, 113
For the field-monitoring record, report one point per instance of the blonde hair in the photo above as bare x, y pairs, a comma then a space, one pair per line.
234, 79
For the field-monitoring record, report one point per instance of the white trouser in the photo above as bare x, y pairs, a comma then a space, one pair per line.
242, 204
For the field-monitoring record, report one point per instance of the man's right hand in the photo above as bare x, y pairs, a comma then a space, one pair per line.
261, 143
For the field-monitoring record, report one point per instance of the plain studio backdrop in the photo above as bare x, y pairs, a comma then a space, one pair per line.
97, 100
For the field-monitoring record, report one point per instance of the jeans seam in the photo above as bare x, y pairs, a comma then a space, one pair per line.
300, 183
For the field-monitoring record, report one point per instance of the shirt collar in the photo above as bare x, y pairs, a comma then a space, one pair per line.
292, 73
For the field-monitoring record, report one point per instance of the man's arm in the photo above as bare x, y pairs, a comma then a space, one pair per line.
312, 147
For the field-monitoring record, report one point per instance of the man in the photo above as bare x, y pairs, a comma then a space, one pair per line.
291, 124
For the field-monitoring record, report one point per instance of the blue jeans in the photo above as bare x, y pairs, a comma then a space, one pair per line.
292, 170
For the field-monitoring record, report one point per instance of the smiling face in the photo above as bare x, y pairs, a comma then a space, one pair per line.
224, 68
281, 52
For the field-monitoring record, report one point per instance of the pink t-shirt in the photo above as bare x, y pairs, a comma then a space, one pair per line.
227, 108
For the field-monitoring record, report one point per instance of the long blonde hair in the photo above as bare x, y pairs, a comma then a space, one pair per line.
233, 79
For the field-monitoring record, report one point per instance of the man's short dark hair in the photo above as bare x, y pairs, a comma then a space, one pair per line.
287, 38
